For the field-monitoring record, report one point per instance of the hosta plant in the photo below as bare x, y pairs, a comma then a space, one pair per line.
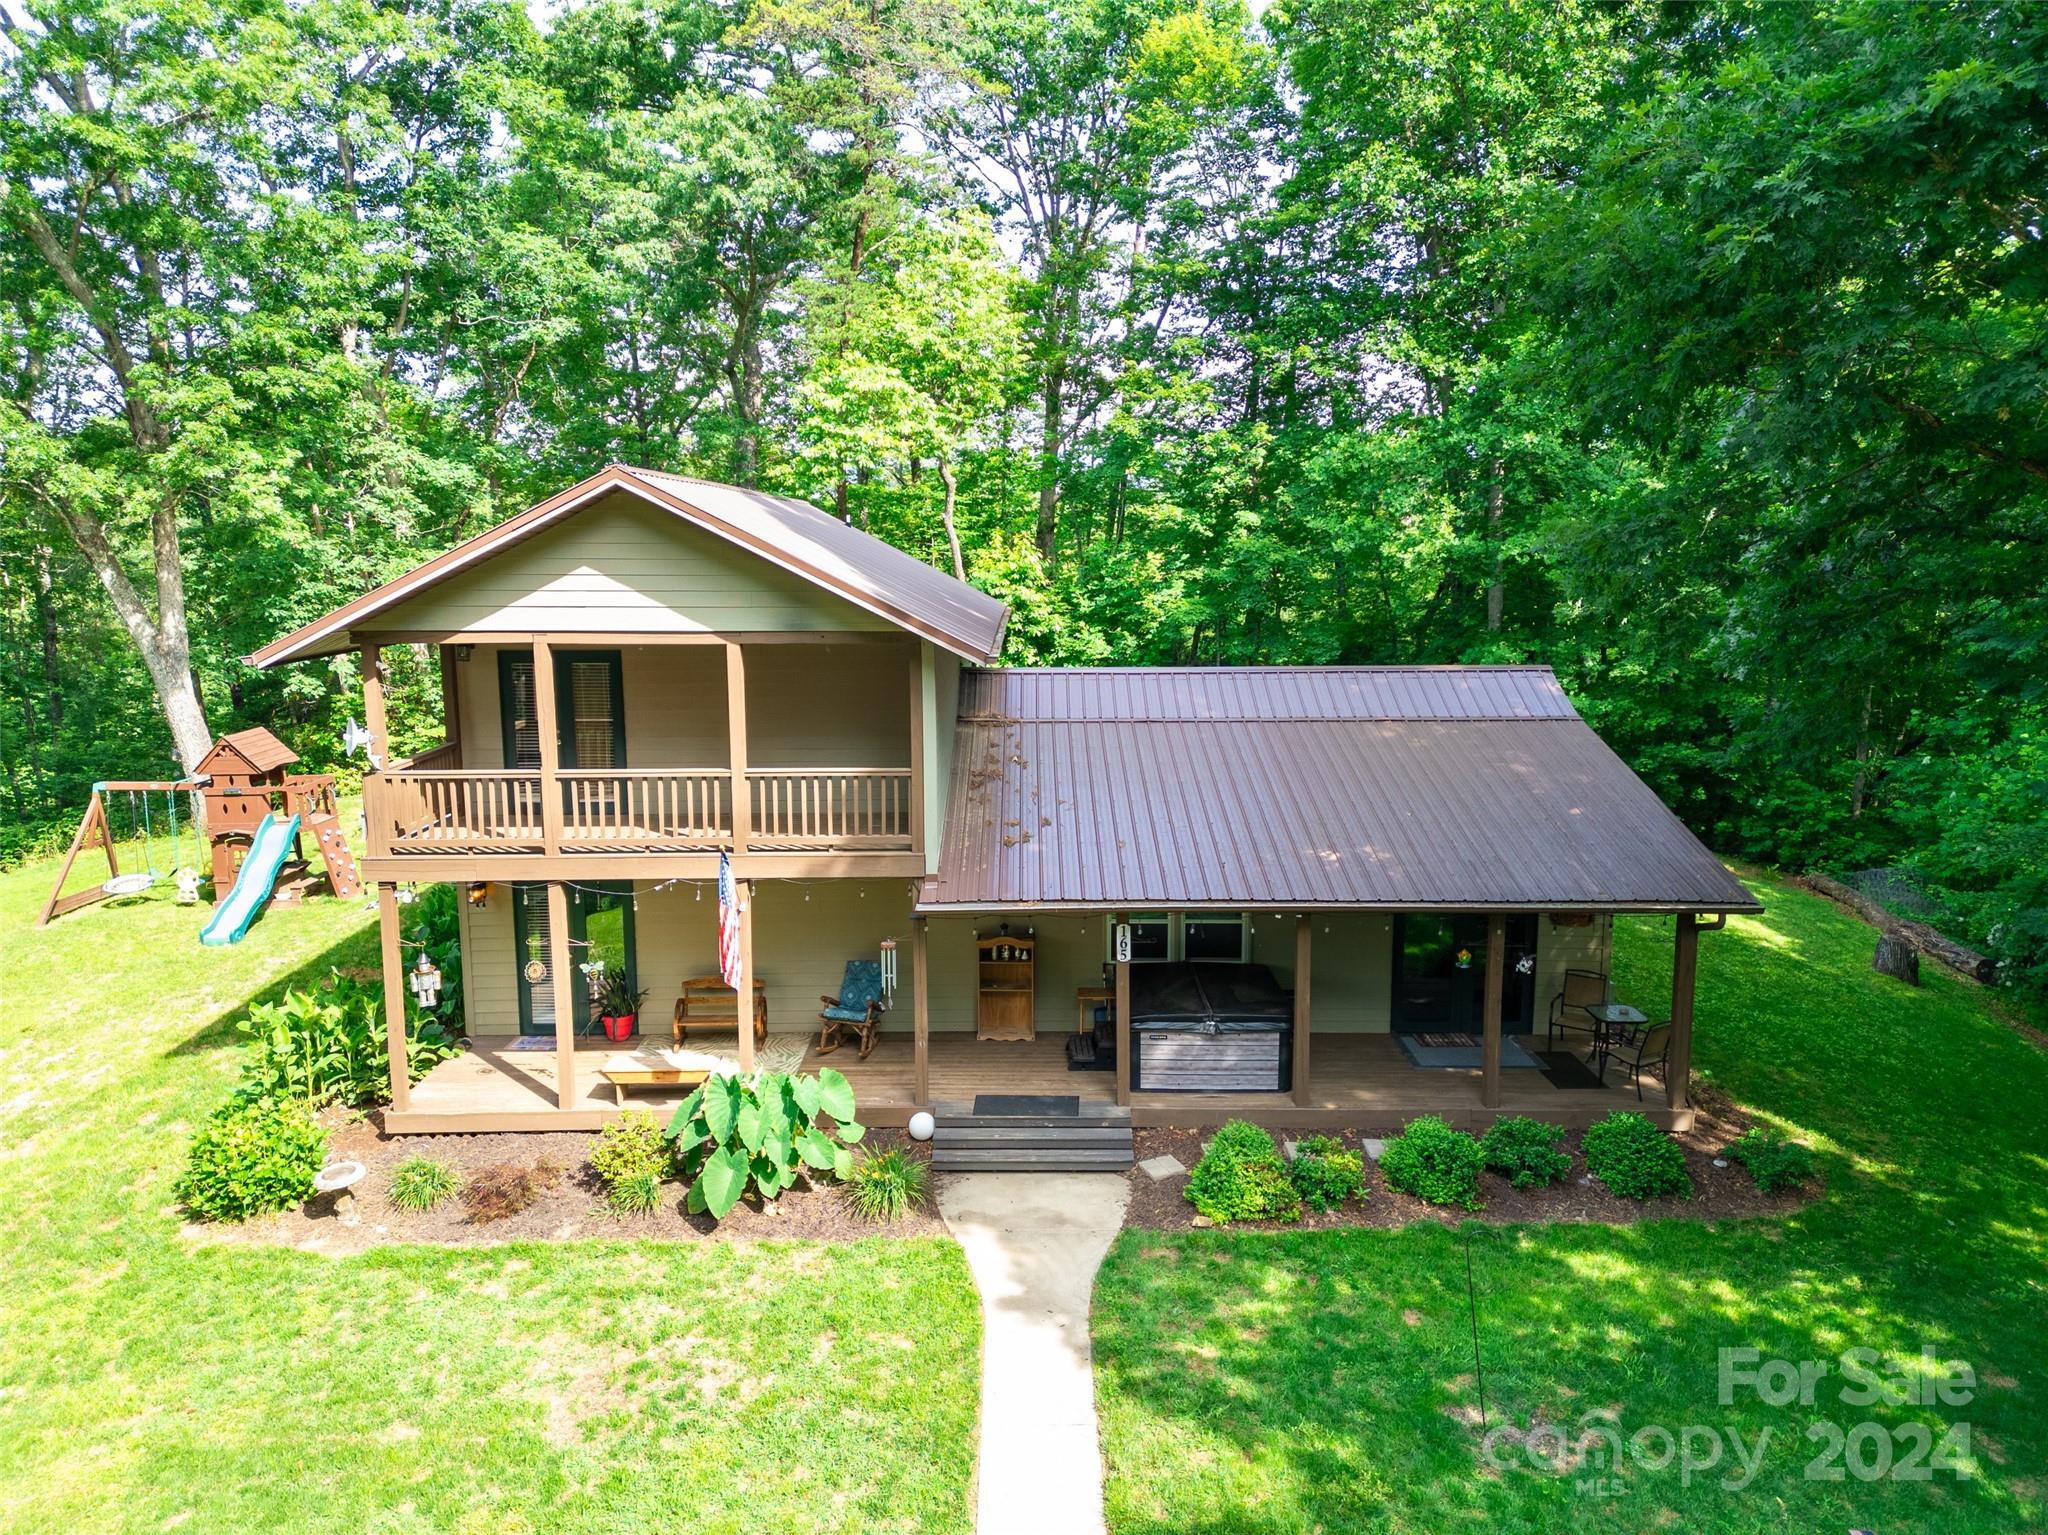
762, 1132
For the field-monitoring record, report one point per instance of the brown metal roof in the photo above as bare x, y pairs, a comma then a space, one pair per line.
1343, 786
793, 534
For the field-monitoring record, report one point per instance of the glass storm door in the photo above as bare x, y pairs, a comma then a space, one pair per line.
600, 929
1440, 973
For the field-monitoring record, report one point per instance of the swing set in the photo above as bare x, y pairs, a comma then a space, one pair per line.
96, 826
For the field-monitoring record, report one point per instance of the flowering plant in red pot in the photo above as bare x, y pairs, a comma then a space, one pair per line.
618, 1006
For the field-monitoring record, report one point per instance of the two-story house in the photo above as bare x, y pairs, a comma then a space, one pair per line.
1312, 894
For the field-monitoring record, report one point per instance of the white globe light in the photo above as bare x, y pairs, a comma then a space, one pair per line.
921, 1126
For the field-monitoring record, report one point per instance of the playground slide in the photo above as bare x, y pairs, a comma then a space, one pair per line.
268, 850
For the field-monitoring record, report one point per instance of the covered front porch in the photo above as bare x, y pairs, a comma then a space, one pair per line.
1361, 1081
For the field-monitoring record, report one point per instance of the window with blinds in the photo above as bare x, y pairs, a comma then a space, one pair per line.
589, 705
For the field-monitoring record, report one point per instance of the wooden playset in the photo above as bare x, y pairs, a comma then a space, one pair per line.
241, 779
246, 780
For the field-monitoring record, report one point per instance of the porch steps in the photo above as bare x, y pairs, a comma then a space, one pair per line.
1098, 1140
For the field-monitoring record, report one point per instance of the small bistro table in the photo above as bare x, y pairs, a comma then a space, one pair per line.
1612, 1021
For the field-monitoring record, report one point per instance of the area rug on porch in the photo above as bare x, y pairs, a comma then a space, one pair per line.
1443, 1051
1563, 1069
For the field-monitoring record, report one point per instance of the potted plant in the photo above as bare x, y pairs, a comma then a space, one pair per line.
618, 1006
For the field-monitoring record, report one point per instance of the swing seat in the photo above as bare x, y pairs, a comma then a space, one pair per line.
128, 884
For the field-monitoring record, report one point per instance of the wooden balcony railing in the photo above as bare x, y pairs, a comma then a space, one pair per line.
423, 809
646, 810
823, 808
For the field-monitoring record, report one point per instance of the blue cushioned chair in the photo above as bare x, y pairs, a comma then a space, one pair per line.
857, 1007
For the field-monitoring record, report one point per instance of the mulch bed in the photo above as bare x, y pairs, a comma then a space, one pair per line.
1719, 1193
574, 1208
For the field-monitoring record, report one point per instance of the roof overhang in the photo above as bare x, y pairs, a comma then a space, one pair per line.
329, 634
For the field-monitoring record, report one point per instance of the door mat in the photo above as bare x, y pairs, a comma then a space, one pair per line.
532, 1044
1563, 1069
1466, 1056
1028, 1103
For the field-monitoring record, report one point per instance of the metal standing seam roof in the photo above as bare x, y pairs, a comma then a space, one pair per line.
793, 534
1391, 787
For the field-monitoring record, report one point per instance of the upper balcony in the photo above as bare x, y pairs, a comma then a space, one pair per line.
672, 747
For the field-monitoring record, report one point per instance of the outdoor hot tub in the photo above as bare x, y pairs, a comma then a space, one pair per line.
1210, 1029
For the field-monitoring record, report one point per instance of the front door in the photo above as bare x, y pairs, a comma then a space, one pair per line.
600, 932
590, 709
1440, 973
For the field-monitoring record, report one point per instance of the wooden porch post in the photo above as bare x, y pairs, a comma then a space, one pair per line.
550, 744
394, 997
736, 745
1685, 950
1302, 1093
920, 1015
373, 707
1123, 1017
743, 1014
1496, 973
562, 967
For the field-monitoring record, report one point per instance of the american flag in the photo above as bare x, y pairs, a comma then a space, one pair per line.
728, 925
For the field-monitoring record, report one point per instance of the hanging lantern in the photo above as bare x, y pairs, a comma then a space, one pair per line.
425, 980
889, 968
479, 892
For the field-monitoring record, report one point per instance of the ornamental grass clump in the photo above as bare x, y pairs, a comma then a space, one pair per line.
1635, 1159
1525, 1151
1241, 1178
886, 1185
1774, 1162
419, 1183
1434, 1163
251, 1159
1325, 1173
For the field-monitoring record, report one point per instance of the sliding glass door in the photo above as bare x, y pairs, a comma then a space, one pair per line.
1440, 973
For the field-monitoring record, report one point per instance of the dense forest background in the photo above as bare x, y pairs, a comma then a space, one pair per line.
1694, 350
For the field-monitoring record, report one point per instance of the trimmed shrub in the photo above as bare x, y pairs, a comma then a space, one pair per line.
1635, 1159
419, 1183
1241, 1178
1325, 1173
1434, 1163
886, 1185
630, 1145
250, 1159
1525, 1151
503, 1189
1773, 1161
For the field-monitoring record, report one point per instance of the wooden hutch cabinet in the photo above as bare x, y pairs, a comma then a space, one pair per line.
1008, 1000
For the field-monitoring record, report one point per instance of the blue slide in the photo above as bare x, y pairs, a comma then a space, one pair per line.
268, 850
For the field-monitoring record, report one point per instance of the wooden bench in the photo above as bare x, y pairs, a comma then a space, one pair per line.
650, 1068
707, 1003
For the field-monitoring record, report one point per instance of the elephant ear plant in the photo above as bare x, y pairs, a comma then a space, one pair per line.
762, 1131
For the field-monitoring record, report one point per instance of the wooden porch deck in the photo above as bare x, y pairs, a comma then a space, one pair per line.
1361, 1081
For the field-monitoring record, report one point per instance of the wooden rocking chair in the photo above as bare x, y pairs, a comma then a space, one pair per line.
858, 1007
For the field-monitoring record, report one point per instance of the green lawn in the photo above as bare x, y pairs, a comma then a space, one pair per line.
148, 1383
1254, 1383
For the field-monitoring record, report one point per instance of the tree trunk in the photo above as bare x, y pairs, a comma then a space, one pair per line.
46, 625
946, 515
1896, 958
1496, 502
1049, 465
1964, 961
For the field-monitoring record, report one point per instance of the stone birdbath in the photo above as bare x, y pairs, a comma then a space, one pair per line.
338, 1179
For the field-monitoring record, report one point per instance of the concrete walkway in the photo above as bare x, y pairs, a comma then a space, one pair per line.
1034, 1241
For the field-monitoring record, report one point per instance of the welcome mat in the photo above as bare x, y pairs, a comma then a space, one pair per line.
1563, 1069
1466, 1054
1028, 1103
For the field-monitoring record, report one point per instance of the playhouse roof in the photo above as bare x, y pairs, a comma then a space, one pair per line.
256, 749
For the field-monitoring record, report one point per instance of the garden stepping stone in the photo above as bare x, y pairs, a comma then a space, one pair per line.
1160, 1168
1373, 1148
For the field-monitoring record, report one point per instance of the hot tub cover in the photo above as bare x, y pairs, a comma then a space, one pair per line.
1222, 998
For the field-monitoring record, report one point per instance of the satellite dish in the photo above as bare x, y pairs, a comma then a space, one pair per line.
354, 738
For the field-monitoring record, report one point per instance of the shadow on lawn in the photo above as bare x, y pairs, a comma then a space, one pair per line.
358, 950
